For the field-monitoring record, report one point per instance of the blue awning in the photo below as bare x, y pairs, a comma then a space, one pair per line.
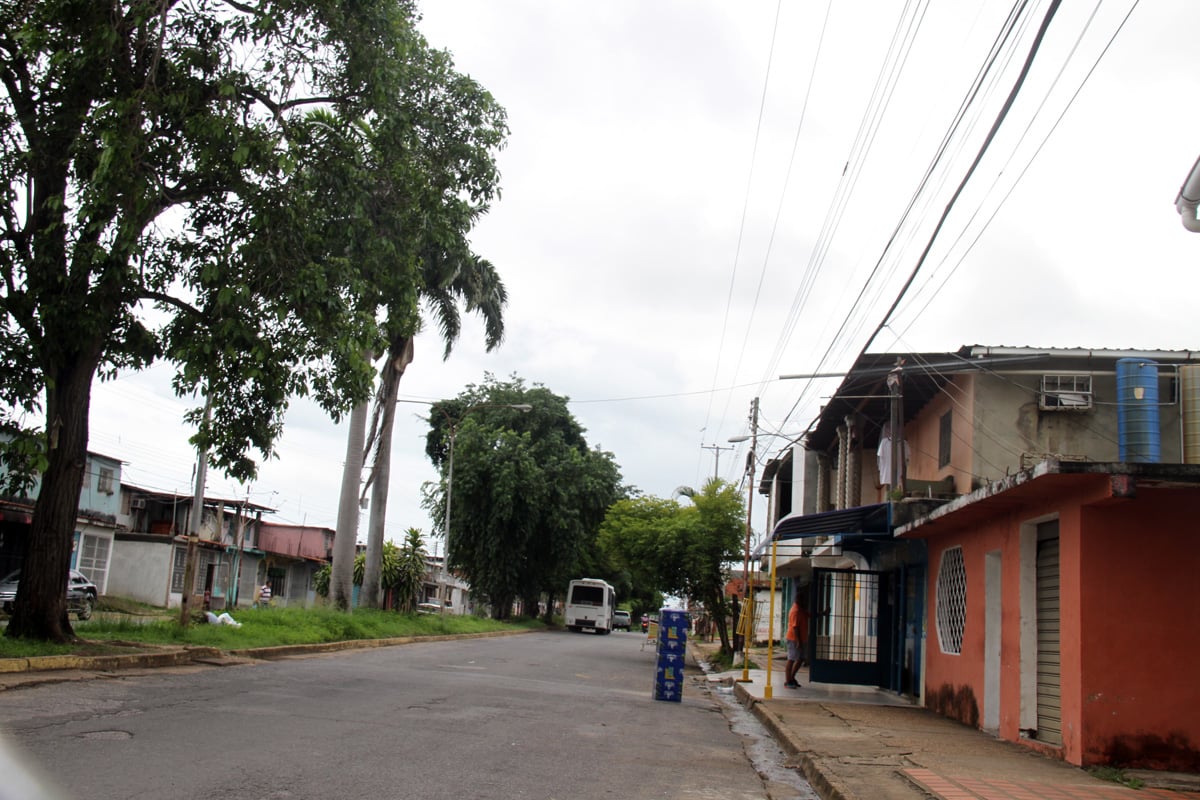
872, 520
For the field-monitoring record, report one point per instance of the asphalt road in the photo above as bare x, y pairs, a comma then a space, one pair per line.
555, 716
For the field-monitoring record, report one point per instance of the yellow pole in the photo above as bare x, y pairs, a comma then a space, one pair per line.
746, 626
767, 690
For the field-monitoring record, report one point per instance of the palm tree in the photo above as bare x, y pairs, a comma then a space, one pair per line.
450, 278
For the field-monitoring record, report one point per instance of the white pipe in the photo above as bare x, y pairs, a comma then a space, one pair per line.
1189, 198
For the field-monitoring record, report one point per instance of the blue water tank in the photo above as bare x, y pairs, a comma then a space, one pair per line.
1138, 436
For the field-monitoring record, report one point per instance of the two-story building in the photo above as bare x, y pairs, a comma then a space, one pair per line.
237, 552
95, 528
1008, 534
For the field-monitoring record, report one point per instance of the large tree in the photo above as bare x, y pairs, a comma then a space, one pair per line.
527, 494
450, 277
231, 186
678, 548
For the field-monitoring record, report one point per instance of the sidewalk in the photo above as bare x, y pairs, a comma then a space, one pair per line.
862, 743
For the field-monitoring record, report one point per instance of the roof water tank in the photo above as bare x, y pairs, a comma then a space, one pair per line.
1189, 393
1138, 436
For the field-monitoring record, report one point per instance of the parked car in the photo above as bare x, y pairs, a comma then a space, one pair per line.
621, 620
81, 593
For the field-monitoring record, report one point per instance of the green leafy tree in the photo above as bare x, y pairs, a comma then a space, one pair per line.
680, 549
527, 495
242, 189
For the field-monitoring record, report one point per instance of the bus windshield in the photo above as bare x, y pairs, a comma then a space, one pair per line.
587, 595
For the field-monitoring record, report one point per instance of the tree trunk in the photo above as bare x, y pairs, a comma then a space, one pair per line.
399, 357
502, 609
40, 610
529, 605
548, 617
719, 614
341, 576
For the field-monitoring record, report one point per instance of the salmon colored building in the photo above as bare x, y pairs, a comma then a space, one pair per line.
1064, 612
1009, 536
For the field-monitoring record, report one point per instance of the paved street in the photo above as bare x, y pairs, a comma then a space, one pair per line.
545, 715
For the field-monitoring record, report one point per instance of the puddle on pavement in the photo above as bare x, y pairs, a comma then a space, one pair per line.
760, 746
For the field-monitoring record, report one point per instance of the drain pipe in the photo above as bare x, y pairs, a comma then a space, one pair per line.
1189, 199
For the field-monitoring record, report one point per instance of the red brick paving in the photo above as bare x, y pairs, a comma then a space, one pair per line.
997, 789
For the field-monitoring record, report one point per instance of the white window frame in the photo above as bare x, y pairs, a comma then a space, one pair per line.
104, 479
1066, 391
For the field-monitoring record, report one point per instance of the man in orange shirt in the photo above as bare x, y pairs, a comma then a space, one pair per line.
797, 630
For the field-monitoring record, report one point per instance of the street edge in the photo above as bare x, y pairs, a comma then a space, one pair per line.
190, 655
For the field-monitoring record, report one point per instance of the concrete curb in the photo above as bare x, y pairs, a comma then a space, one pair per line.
286, 650
821, 780
162, 658
208, 655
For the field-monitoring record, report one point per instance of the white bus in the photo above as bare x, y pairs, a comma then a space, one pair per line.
590, 605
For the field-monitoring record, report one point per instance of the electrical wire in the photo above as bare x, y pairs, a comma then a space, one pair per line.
1020, 81
1028, 164
745, 208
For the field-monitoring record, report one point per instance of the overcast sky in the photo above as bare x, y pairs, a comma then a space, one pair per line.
698, 197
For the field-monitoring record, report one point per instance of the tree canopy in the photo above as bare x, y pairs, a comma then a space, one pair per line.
244, 189
527, 493
676, 548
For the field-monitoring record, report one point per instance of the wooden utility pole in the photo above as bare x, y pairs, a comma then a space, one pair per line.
748, 605
195, 519
895, 385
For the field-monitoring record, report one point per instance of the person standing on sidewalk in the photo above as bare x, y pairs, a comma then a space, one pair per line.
797, 630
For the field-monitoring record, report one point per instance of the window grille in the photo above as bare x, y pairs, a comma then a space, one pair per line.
104, 483
1066, 393
93, 559
951, 601
177, 569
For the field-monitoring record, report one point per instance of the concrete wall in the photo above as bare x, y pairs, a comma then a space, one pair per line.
141, 569
1140, 632
1128, 632
923, 435
1007, 419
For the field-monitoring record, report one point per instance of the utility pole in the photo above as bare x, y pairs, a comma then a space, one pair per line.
195, 519
748, 605
895, 385
716, 448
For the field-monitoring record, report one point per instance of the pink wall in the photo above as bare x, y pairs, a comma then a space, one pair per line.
954, 682
295, 540
923, 434
1130, 621
1140, 632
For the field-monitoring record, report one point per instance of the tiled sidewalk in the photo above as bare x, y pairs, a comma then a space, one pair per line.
977, 789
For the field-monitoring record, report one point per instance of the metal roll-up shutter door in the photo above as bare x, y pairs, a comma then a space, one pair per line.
1049, 659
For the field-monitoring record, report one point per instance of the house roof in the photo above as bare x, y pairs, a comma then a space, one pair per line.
179, 498
864, 389
1046, 479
